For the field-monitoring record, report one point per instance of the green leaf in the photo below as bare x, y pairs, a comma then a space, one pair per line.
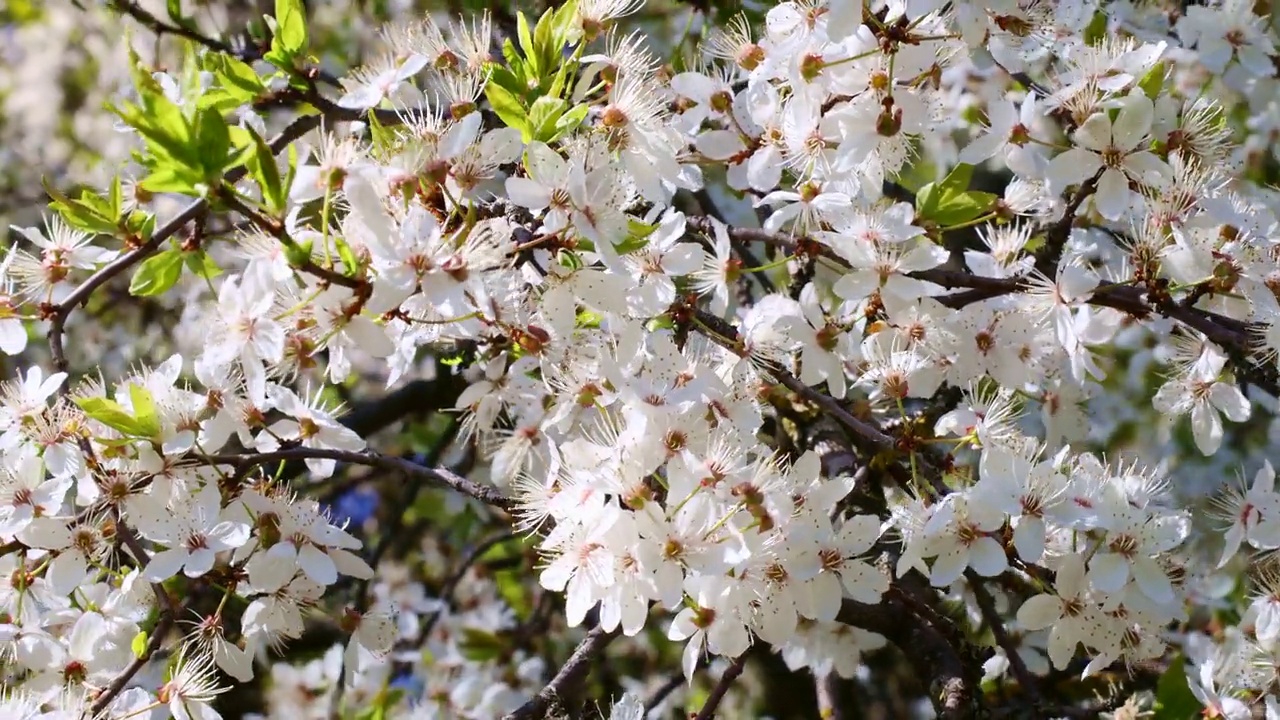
544, 117
201, 264
299, 253
384, 140
174, 9
966, 206
568, 122
949, 201
637, 236
115, 198
77, 214
213, 141
262, 168
157, 274
544, 40
526, 42
563, 26
350, 264
1096, 29
1174, 699
1152, 83
115, 416
99, 204
163, 127
291, 30
172, 179
959, 178
507, 106
144, 410
139, 644
237, 77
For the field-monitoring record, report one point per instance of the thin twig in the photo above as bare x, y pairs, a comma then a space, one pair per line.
441, 477
721, 689
455, 578
664, 691
987, 606
277, 230
117, 686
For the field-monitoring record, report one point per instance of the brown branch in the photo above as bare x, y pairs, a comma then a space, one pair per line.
1226, 332
439, 477
168, 616
277, 230
160, 27
721, 689
572, 674
1056, 236
866, 434
455, 578
987, 605
117, 686
952, 685
664, 691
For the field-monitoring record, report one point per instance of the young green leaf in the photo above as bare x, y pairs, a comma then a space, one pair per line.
237, 78
568, 122
78, 214
144, 410
172, 178
201, 264
139, 644
517, 81
157, 274
543, 118
262, 168
291, 28
213, 141
508, 107
115, 416
949, 201
526, 42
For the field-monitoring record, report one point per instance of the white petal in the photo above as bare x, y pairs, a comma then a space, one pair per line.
1112, 198
1108, 572
1230, 401
987, 557
1206, 427
1040, 612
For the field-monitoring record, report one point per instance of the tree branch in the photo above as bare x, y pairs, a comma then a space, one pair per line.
987, 606
721, 689
952, 686
439, 477
571, 675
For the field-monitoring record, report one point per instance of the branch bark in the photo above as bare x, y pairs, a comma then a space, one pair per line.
439, 477
721, 689
566, 682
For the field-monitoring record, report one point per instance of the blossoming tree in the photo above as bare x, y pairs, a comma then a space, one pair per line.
545, 364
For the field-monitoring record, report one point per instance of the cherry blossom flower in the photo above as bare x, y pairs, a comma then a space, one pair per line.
1113, 148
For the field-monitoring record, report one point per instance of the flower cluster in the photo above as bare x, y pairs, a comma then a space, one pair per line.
979, 224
